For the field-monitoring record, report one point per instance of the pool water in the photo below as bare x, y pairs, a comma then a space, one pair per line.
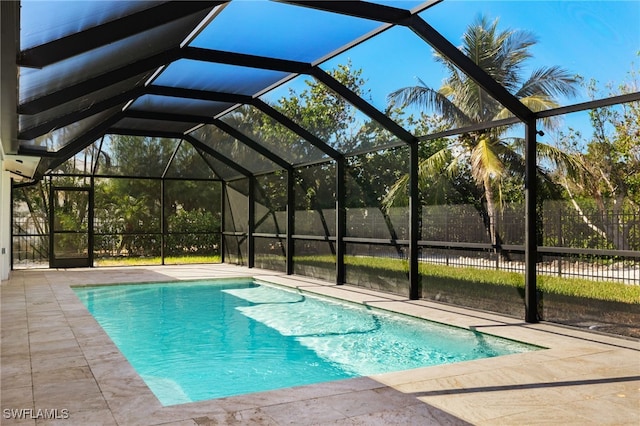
192, 341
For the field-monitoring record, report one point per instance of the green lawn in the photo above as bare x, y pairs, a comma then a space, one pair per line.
156, 260
577, 287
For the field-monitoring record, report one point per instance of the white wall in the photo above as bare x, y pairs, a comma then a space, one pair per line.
5, 222
9, 45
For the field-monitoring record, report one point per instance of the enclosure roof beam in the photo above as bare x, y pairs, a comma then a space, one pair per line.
472, 128
110, 32
83, 88
168, 116
262, 62
93, 84
599, 103
234, 133
363, 105
71, 147
245, 60
228, 58
205, 95
295, 128
198, 144
125, 131
208, 162
173, 156
462, 61
78, 144
9, 45
77, 115
359, 9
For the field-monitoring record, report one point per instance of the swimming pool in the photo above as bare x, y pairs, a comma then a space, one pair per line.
192, 341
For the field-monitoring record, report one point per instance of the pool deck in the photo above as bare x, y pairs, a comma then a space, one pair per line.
56, 357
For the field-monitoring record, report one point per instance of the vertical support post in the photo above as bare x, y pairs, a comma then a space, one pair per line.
51, 219
92, 208
251, 254
223, 195
497, 231
560, 242
341, 219
291, 211
446, 233
531, 243
163, 222
414, 222
11, 219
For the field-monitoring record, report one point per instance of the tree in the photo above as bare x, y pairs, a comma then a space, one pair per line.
461, 102
31, 221
608, 198
128, 213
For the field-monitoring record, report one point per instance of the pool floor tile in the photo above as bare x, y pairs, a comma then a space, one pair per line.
54, 355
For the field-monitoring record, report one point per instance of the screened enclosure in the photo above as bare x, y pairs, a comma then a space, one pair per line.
485, 161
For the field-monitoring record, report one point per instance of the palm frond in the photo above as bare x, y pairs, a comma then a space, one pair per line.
428, 98
535, 103
573, 165
435, 164
438, 191
430, 170
514, 51
499, 53
397, 192
539, 102
484, 161
549, 81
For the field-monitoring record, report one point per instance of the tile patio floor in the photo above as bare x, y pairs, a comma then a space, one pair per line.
55, 356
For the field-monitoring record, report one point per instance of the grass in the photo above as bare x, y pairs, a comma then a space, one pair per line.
155, 260
575, 287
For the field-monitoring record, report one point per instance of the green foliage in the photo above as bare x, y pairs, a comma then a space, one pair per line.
321, 111
607, 194
141, 156
31, 217
128, 209
370, 176
614, 149
168, 260
193, 232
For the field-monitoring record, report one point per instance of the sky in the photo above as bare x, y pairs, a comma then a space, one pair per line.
594, 39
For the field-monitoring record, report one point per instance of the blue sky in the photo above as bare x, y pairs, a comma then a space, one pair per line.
595, 39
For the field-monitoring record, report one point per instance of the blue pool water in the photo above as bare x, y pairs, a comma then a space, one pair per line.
209, 339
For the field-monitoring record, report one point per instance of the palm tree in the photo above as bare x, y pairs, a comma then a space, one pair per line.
461, 102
